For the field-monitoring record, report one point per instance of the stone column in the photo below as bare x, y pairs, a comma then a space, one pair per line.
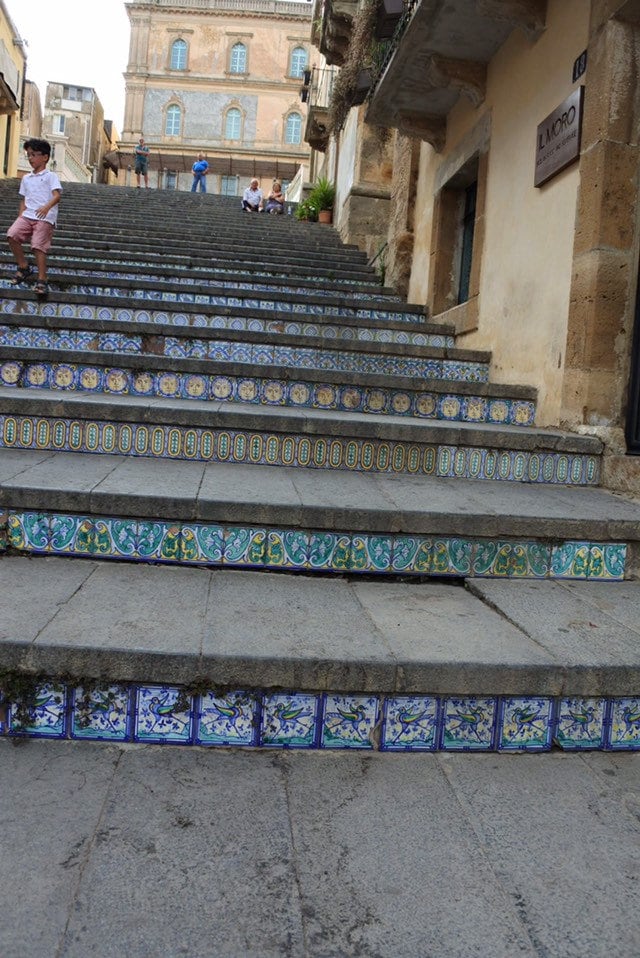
605, 258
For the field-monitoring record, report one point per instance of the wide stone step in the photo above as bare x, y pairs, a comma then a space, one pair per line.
309, 439
270, 348
83, 268
203, 295
242, 263
270, 385
74, 310
273, 661
297, 520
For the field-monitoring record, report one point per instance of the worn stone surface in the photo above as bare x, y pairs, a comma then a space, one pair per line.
149, 851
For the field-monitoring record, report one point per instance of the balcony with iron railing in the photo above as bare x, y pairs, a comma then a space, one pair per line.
436, 53
316, 92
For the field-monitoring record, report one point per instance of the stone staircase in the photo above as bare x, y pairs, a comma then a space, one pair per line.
425, 524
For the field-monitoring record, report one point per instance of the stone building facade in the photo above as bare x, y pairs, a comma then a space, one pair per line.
74, 124
220, 77
13, 65
506, 183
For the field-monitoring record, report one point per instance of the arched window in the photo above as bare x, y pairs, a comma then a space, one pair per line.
298, 62
238, 58
179, 55
293, 128
173, 121
233, 124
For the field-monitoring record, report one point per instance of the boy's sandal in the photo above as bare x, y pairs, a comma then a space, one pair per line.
22, 274
41, 288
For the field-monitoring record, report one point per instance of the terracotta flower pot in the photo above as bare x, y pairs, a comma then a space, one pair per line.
325, 216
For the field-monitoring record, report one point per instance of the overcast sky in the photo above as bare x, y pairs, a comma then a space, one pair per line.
79, 42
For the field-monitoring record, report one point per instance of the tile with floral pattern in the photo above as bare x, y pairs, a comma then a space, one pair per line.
468, 723
290, 720
101, 713
410, 722
227, 718
580, 723
525, 723
349, 720
41, 714
624, 725
163, 715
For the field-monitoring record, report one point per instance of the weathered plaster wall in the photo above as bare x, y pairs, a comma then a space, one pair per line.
526, 267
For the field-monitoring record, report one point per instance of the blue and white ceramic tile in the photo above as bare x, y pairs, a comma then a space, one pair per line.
348, 721
227, 718
580, 723
525, 724
290, 720
468, 723
47, 713
160, 717
410, 723
101, 713
624, 725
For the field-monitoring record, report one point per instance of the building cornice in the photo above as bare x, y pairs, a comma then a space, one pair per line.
272, 9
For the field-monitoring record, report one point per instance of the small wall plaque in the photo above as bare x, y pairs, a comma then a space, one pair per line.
558, 138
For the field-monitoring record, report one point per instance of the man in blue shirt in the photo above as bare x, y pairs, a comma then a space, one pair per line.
200, 169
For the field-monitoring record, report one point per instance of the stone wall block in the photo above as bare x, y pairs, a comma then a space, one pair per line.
607, 210
610, 108
598, 310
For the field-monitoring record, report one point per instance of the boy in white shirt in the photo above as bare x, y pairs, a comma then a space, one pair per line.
40, 193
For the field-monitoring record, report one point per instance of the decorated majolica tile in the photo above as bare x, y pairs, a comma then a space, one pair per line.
468, 723
624, 726
101, 713
329, 551
348, 721
41, 714
287, 548
290, 720
525, 723
370, 553
29, 531
227, 718
412, 554
607, 561
570, 560
244, 546
164, 714
202, 543
410, 723
580, 723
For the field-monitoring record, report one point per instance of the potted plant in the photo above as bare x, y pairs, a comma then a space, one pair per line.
306, 211
322, 198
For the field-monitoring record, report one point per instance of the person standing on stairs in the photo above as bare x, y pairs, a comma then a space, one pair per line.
40, 193
200, 169
142, 162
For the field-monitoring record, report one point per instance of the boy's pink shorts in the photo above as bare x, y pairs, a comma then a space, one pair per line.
38, 231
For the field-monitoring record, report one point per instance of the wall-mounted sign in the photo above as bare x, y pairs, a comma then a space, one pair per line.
579, 66
558, 138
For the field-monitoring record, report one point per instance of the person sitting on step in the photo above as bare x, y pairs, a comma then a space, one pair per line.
275, 199
252, 198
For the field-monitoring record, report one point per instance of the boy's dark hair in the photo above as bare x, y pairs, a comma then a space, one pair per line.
38, 146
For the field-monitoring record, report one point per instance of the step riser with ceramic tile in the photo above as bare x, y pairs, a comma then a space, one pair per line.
312, 389
264, 352
16, 310
304, 306
250, 546
276, 448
